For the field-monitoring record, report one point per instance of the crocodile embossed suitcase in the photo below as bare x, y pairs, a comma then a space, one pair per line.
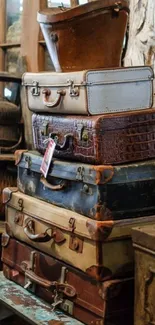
90, 301
104, 139
84, 243
90, 92
144, 246
85, 37
98, 192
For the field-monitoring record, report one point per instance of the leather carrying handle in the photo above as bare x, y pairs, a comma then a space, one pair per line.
57, 187
6, 149
46, 93
67, 144
56, 234
41, 238
67, 289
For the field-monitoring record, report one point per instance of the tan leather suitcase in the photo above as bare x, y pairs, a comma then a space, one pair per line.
144, 246
102, 249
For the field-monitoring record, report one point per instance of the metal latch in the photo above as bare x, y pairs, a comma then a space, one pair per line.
73, 90
28, 283
35, 89
67, 306
58, 298
80, 173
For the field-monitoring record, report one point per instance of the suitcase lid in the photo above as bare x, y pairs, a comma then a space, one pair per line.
86, 173
86, 78
63, 169
65, 220
144, 237
47, 16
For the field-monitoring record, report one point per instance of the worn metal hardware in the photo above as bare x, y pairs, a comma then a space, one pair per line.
44, 129
67, 306
80, 173
76, 244
20, 205
87, 189
28, 162
73, 90
85, 136
19, 218
79, 128
28, 283
54, 37
72, 225
35, 89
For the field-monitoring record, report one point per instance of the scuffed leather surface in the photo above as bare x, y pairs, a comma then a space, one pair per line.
129, 194
112, 139
113, 298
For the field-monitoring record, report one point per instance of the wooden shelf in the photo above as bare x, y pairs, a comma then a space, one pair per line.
2, 227
9, 45
7, 156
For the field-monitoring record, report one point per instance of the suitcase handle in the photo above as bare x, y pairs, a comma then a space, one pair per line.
56, 234
6, 149
57, 187
47, 92
68, 142
65, 288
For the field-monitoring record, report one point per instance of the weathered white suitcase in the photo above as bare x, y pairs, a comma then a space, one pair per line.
90, 92
100, 248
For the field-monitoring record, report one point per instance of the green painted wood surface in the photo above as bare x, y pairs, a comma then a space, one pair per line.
29, 307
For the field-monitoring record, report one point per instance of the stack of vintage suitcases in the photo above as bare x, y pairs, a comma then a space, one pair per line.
68, 229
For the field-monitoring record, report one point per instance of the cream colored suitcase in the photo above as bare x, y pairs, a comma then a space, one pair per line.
100, 248
90, 92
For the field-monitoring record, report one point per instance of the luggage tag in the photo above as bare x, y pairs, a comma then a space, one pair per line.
47, 157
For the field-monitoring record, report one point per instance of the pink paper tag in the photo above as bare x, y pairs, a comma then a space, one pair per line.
47, 157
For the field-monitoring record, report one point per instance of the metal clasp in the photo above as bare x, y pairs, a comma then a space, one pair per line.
73, 91
80, 173
20, 204
35, 89
58, 300
28, 283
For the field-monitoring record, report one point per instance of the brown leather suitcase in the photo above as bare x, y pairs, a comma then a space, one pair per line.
92, 302
144, 246
85, 37
112, 139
